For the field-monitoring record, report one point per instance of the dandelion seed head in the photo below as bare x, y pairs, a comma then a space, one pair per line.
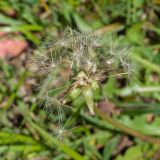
84, 58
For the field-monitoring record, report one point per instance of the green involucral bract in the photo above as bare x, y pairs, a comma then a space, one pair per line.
88, 95
72, 95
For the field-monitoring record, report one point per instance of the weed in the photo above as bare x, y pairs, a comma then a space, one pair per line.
79, 61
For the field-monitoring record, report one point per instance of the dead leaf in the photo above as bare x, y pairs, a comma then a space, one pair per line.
109, 28
108, 107
10, 48
124, 143
150, 118
2, 34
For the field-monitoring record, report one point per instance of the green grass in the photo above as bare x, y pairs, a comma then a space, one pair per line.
24, 134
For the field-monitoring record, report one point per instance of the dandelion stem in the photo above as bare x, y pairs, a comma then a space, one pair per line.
126, 129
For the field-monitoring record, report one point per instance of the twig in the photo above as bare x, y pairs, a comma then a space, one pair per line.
126, 129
